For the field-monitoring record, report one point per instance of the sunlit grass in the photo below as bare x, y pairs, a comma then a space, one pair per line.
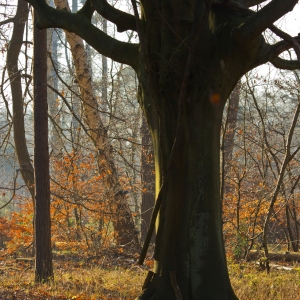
251, 283
79, 279
73, 280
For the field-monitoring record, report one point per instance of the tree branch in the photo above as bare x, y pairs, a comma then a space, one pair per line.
246, 11
124, 21
12, 59
87, 10
285, 64
14, 191
284, 45
249, 3
7, 21
276, 49
288, 38
51, 18
266, 16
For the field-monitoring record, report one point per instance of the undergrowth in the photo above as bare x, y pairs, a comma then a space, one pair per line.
118, 277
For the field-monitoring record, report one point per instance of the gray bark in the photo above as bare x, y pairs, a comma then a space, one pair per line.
56, 143
228, 138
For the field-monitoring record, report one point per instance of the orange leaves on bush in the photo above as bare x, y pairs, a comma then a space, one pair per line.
80, 208
149, 263
17, 230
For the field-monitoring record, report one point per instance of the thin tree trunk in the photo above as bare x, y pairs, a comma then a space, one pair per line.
43, 259
296, 225
16, 42
123, 223
286, 160
289, 228
233, 107
228, 138
56, 143
75, 98
148, 178
104, 78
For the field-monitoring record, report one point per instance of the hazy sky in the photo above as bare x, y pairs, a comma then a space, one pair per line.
291, 22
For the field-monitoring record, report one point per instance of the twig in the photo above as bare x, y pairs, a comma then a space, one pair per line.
14, 189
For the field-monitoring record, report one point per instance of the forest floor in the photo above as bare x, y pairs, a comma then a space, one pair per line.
115, 275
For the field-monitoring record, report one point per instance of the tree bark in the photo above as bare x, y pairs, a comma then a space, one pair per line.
148, 178
189, 238
56, 143
14, 73
228, 138
190, 260
43, 259
104, 97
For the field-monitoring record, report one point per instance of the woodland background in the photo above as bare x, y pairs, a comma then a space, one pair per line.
260, 158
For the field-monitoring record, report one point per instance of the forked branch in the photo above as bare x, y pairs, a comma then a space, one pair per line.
249, 3
79, 24
87, 10
276, 49
266, 16
284, 64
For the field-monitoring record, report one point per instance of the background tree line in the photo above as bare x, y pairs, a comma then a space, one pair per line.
255, 135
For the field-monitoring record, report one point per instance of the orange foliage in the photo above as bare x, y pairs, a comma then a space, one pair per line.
17, 231
80, 209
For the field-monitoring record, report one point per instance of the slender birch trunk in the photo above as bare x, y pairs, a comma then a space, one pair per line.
123, 223
56, 142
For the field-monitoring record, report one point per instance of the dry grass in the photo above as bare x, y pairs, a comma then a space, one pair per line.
74, 279
118, 278
251, 283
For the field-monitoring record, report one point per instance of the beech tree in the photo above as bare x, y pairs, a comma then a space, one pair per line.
190, 57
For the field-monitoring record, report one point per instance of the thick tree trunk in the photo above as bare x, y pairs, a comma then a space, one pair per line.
43, 259
189, 240
190, 260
